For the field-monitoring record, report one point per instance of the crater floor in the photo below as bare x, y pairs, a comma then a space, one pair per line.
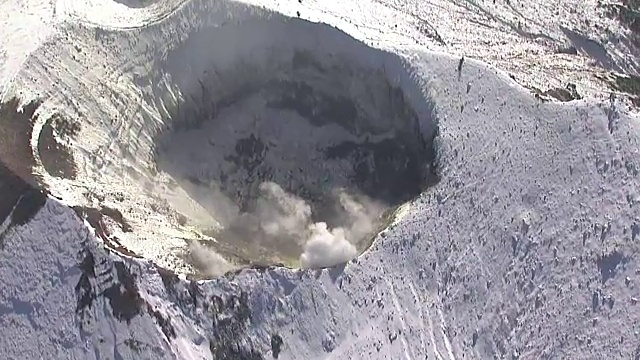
313, 143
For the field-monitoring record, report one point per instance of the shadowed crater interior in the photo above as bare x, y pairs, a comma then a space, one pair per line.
294, 155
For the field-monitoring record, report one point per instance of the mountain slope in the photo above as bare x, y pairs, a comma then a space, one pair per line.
525, 248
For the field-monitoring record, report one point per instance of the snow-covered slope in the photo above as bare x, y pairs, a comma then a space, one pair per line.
525, 248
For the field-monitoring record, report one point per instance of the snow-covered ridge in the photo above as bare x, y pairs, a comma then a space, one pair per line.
525, 248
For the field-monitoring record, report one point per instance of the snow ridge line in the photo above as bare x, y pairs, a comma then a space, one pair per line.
154, 17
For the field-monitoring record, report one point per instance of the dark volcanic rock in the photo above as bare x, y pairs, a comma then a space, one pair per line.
19, 200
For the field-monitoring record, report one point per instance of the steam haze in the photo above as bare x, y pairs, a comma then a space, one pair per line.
285, 220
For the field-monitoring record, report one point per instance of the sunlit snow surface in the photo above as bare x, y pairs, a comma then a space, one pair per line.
525, 247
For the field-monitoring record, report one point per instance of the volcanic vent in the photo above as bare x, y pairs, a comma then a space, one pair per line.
294, 153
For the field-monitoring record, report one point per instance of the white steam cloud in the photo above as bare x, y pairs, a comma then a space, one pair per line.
282, 219
210, 262
326, 248
284, 214
280, 213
